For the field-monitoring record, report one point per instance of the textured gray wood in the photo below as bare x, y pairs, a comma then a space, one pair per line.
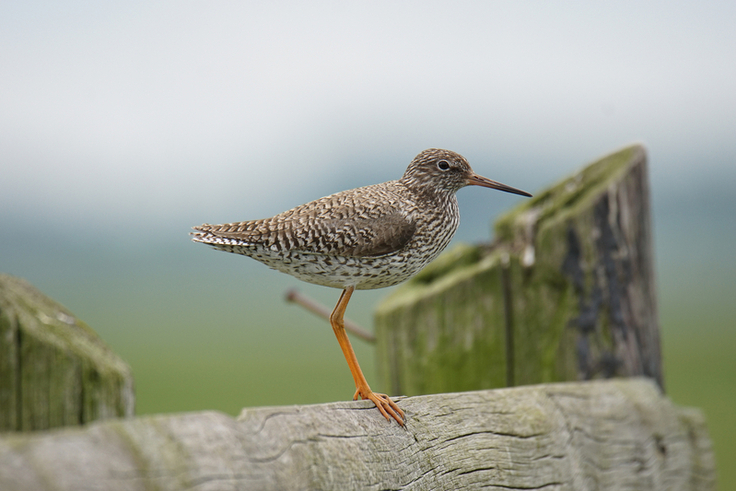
566, 292
617, 434
54, 370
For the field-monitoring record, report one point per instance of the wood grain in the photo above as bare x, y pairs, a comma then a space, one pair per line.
618, 434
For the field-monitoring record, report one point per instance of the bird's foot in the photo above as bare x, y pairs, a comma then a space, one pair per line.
388, 408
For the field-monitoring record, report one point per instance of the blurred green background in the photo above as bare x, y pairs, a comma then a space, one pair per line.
125, 123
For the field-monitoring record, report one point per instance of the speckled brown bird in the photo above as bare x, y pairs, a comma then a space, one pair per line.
370, 237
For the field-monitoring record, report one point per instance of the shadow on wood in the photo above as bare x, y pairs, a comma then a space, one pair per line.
618, 434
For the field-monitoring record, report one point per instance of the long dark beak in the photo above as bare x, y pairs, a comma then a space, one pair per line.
476, 180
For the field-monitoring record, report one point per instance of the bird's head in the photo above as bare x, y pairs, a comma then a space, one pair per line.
445, 171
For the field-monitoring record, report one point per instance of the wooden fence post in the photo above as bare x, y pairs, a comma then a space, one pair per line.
566, 292
54, 370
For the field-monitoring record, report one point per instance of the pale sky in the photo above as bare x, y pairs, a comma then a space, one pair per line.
134, 113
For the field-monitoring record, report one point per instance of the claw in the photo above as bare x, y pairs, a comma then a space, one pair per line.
388, 408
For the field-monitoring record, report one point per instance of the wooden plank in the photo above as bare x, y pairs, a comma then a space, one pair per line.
618, 434
54, 370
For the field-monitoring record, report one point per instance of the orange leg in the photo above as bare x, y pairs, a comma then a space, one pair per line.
382, 401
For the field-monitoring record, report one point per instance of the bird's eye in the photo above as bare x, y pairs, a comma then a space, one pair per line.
443, 165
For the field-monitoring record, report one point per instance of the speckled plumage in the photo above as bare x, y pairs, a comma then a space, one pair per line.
370, 237
364, 238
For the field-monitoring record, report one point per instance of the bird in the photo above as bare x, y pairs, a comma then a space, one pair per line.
360, 239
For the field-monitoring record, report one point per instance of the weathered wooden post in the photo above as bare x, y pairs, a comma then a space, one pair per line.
54, 370
566, 292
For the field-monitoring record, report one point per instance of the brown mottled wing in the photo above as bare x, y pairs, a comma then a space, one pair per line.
369, 236
369, 221
356, 237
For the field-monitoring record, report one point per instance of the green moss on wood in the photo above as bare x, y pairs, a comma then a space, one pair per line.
454, 312
55, 371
